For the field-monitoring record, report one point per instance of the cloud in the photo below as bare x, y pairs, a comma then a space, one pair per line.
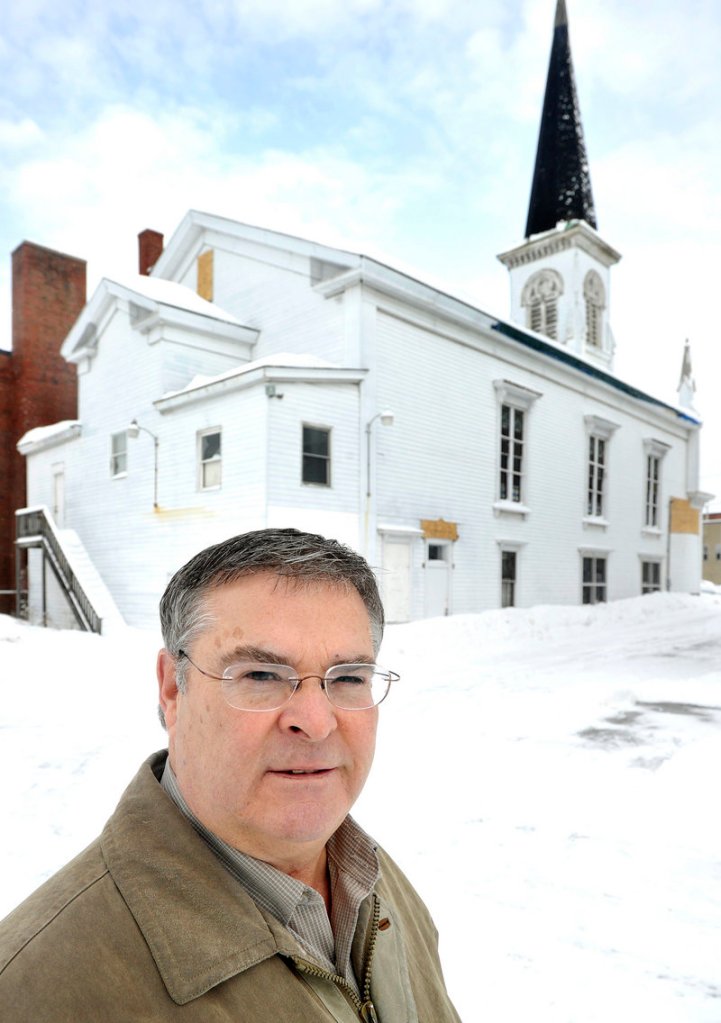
18, 135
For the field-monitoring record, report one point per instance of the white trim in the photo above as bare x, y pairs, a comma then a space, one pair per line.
595, 521
510, 508
509, 393
246, 377
411, 531
600, 427
657, 448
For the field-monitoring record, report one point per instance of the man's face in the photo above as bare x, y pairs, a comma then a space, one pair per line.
234, 767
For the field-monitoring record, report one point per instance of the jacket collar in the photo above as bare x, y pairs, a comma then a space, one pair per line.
199, 924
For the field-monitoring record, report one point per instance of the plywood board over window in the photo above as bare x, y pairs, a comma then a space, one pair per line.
439, 529
205, 275
684, 518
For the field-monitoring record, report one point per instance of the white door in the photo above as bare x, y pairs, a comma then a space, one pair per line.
397, 579
437, 579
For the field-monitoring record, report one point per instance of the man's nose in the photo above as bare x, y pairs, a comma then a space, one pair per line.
310, 711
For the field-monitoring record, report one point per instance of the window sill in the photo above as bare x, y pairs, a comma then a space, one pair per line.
595, 522
119, 476
510, 508
651, 531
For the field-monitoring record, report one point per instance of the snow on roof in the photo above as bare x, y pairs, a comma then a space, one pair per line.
170, 293
286, 359
48, 434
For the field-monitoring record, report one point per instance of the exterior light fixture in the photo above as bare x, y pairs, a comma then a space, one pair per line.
387, 418
133, 430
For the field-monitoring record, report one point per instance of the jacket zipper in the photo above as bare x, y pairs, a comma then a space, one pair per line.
364, 1006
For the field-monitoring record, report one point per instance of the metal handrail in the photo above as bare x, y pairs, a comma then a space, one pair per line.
34, 524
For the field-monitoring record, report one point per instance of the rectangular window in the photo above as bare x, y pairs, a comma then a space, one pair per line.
119, 454
316, 455
508, 578
594, 580
596, 475
511, 453
653, 468
210, 461
650, 576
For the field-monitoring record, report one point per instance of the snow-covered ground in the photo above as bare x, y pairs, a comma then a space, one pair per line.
549, 779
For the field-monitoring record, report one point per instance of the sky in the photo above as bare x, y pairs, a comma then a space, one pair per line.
546, 777
403, 129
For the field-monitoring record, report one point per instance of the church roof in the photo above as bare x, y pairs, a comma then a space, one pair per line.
561, 188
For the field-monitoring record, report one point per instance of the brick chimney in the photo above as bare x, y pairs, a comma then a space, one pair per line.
150, 249
37, 386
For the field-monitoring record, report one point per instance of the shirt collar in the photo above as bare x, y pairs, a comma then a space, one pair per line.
352, 855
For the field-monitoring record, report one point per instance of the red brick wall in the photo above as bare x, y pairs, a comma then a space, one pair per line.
7, 435
37, 386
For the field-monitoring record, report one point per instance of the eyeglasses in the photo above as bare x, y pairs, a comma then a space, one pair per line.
254, 686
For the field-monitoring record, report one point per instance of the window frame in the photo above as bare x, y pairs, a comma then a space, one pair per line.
594, 584
594, 295
203, 462
509, 582
327, 458
596, 476
116, 454
653, 451
540, 298
518, 400
513, 441
654, 585
596, 490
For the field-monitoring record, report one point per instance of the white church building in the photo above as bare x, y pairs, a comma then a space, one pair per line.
255, 379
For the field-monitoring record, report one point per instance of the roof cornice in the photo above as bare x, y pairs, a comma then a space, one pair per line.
245, 378
195, 223
146, 314
566, 235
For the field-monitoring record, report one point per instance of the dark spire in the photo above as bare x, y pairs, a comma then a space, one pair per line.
561, 187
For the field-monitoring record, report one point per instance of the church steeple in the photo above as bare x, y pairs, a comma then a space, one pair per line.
560, 283
561, 189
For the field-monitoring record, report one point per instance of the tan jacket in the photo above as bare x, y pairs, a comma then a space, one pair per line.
147, 925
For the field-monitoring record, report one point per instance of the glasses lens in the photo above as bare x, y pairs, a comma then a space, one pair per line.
357, 686
252, 686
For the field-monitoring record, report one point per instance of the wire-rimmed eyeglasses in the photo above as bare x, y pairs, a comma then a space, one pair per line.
256, 686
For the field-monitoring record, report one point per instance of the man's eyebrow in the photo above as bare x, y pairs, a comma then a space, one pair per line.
255, 653
252, 653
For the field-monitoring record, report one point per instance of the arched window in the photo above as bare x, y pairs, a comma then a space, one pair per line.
595, 298
540, 300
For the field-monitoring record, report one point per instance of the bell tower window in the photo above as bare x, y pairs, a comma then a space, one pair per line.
540, 300
595, 299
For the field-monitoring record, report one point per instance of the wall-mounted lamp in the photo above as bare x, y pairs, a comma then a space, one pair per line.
133, 431
271, 392
387, 418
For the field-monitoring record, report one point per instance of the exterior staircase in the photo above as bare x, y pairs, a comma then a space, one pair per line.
87, 595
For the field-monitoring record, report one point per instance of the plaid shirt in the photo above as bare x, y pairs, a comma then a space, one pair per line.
353, 870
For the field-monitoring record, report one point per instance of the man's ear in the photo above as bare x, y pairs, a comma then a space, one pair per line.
167, 689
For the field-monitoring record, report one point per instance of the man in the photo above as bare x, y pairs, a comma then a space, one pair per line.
230, 884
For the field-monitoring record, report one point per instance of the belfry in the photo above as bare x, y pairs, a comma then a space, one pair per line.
560, 273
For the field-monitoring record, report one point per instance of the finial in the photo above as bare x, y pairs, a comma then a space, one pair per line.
686, 384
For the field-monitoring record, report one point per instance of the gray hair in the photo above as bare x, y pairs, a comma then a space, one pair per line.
290, 553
